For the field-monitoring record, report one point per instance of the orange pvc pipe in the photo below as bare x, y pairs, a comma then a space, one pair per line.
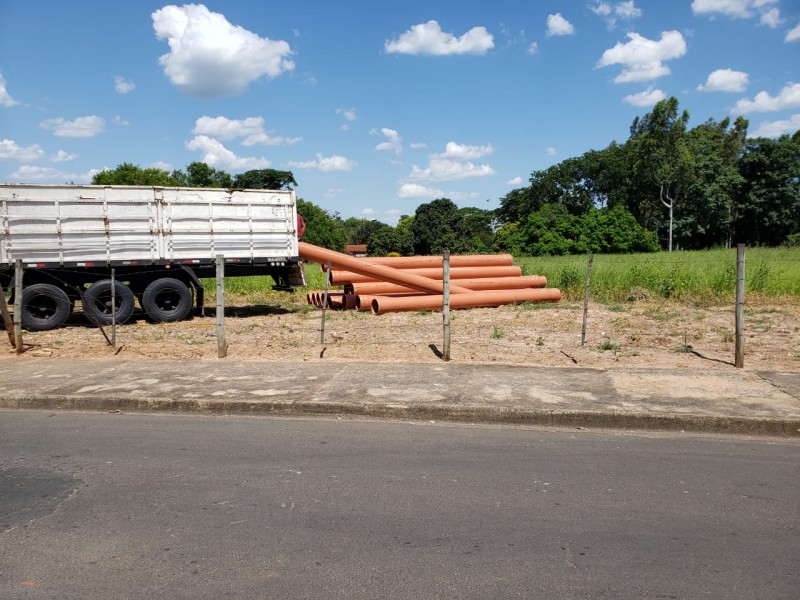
382, 272
339, 277
349, 301
491, 283
364, 302
384, 304
456, 260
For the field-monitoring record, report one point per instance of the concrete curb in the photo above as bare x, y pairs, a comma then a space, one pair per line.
419, 412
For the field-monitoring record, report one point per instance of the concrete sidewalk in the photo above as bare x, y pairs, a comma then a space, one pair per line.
668, 399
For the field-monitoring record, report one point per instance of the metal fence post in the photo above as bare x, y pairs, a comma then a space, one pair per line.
18, 304
113, 308
739, 352
324, 304
446, 304
222, 346
586, 299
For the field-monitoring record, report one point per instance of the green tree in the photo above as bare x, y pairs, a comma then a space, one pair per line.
597, 178
475, 230
199, 174
662, 161
436, 227
265, 179
613, 231
708, 210
403, 228
322, 228
363, 229
551, 230
130, 174
384, 241
768, 207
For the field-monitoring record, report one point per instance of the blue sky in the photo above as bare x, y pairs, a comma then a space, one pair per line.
376, 107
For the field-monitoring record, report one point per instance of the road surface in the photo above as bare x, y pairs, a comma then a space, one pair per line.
164, 506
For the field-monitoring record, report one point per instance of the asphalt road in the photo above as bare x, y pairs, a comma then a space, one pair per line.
162, 506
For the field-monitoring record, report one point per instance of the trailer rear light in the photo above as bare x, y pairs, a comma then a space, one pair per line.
85, 264
36, 265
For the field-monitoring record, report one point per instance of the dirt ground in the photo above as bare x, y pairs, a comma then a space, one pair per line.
657, 334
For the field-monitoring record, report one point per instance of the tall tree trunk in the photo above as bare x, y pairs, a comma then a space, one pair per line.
669, 206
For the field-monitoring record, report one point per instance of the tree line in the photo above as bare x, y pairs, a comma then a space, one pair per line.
666, 187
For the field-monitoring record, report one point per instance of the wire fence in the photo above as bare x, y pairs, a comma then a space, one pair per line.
641, 307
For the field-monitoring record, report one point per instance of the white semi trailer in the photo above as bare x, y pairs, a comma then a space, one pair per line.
160, 241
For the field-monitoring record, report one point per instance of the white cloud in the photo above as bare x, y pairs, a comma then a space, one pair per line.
551, 151
516, 181
393, 143
429, 39
465, 152
627, 11
120, 121
216, 155
122, 85
82, 127
773, 129
603, 9
558, 25
772, 18
9, 150
533, 48
391, 216
265, 139
793, 35
5, 97
417, 145
326, 163
454, 163
649, 97
442, 169
62, 156
415, 190
788, 98
160, 164
333, 192
250, 128
349, 114
643, 59
737, 9
224, 128
210, 57
725, 80
29, 173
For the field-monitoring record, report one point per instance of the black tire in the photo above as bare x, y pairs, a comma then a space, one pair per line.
97, 302
44, 307
167, 300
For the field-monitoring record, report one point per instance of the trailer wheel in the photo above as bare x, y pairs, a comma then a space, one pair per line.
44, 307
167, 300
97, 302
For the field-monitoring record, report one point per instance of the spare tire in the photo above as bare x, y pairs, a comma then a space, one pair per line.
44, 307
166, 300
97, 302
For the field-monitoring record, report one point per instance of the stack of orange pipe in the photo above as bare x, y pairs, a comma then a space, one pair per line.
392, 284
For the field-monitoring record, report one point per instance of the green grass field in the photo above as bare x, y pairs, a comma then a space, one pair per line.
707, 276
